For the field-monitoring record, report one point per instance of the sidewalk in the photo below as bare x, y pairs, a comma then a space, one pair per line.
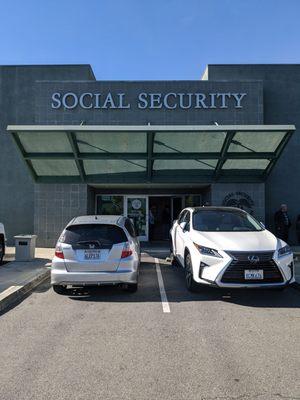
18, 278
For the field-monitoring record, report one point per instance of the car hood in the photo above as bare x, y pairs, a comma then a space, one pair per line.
239, 241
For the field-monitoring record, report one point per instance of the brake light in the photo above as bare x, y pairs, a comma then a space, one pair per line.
126, 252
58, 252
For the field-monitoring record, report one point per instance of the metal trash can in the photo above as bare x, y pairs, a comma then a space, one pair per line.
25, 247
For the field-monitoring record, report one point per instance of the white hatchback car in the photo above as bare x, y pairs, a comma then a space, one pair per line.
96, 250
226, 247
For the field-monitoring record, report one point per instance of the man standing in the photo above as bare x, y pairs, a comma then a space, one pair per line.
166, 221
282, 223
152, 222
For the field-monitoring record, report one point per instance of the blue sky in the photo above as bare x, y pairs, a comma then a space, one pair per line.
149, 39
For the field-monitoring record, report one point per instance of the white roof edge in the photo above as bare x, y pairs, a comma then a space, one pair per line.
100, 219
204, 76
146, 128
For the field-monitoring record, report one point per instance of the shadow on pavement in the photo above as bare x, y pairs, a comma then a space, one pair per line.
41, 288
176, 291
263, 298
7, 259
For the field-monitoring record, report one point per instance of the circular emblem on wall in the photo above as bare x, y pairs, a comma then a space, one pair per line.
240, 200
136, 204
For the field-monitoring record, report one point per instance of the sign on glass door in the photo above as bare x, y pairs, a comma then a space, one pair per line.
137, 211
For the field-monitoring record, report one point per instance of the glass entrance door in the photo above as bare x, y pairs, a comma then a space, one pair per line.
136, 208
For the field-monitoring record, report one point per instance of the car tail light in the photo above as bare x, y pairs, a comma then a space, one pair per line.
58, 252
126, 252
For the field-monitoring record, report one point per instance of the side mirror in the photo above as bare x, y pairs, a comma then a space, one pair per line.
182, 225
262, 225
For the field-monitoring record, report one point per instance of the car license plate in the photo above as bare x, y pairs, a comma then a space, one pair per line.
92, 254
254, 274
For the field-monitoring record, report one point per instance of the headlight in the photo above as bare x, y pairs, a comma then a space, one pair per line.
207, 251
284, 251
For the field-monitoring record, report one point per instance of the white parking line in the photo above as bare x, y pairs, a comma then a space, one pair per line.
163, 296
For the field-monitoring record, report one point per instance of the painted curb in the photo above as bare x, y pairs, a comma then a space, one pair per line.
15, 294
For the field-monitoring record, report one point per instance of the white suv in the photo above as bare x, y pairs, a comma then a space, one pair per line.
2, 242
227, 247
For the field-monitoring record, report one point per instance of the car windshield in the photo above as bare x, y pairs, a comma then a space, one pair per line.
102, 235
224, 221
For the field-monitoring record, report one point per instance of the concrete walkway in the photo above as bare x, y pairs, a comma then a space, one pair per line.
18, 278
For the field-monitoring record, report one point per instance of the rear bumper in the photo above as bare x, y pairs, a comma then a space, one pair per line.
59, 277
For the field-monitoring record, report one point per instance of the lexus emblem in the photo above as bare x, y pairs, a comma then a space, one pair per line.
91, 246
253, 259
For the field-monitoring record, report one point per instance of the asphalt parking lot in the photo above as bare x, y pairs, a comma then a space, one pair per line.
161, 342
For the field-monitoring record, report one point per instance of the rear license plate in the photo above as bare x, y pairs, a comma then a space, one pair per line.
92, 254
254, 274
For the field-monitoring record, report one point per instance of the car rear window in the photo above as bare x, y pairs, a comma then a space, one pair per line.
100, 235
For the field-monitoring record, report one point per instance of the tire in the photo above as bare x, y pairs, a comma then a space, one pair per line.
174, 261
2, 250
191, 284
59, 289
130, 287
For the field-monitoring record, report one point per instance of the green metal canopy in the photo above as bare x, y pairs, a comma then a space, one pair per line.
150, 154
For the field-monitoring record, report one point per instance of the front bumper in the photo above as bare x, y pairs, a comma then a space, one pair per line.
215, 270
251, 285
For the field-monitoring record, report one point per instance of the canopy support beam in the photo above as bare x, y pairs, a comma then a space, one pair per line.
278, 152
74, 146
225, 147
22, 153
146, 156
150, 142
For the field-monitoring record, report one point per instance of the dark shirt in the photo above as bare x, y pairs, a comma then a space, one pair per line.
282, 221
286, 220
